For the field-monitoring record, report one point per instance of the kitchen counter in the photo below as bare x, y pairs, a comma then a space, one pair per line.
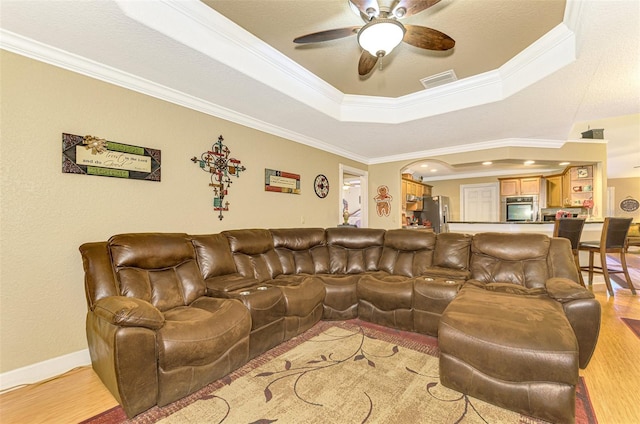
417, 227
500, 222
591, 231
516, 223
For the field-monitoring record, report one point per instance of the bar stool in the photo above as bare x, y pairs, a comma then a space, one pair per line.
612, 240
571, 228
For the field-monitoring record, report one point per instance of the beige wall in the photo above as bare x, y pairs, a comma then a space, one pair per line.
626, 187
46, 215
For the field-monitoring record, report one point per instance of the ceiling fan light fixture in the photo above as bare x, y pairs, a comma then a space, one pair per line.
380, 36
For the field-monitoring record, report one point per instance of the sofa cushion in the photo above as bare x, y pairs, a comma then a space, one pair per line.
407, 252
354, 250
158, 268
254, 253
249, 242
341, 297
510, 337
386, 293
301, 250
164, 288
431, 296
515, 258
214, 255
452, 251
150, 250
199, 334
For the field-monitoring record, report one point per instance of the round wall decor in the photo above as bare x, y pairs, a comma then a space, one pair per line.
629, 204
321, 186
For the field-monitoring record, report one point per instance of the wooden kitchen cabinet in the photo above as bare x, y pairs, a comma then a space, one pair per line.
530, 185
555, 191
510, 187
414, 188
520, 186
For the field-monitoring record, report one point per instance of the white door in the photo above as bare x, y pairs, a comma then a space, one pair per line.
480, 202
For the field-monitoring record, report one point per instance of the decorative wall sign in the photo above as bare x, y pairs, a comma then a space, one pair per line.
281, 182
629, 204
221, 168
383, 201
91, 155
321, 186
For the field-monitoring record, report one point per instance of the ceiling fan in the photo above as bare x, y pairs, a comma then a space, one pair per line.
382, 31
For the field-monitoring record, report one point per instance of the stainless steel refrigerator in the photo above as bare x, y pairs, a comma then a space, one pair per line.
434, 213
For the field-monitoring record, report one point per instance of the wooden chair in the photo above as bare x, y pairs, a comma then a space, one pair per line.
571, 228
612, 240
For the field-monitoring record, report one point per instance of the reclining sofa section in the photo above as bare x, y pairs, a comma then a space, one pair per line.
170, 313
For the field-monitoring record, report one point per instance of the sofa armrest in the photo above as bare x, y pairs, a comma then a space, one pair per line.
125, 359
128, 312
222, 285
583, 312
564, 290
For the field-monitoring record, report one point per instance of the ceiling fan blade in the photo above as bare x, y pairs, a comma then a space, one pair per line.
367, 63
427, 38
330, 34
363, 5
411, 7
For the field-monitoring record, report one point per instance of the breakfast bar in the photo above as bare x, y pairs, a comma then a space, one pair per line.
591, 231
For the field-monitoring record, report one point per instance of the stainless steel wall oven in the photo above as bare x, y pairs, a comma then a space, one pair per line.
520, 208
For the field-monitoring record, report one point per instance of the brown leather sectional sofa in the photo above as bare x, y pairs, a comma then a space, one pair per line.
170, 313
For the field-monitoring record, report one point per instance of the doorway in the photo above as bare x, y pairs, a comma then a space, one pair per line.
480, 202
353, 196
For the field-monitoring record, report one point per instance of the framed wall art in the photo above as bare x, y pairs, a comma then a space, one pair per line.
281, 182
89, 155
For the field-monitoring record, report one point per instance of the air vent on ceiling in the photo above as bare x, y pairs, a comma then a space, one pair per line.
439, 79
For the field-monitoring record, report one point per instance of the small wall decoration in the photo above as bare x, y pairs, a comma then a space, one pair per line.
90, 155
221, 168
583, 173
629, 204
383, 201
321, 186
281, 182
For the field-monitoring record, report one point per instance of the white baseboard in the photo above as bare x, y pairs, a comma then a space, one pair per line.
44, 370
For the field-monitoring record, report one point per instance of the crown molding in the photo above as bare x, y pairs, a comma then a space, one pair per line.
463, 148
198, 26
494, 173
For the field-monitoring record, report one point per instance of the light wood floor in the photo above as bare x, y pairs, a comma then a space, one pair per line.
613, 376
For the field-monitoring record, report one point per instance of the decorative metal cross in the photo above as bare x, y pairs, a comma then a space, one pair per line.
221, 167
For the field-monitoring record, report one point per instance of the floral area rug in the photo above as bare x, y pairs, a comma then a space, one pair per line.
338, 372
